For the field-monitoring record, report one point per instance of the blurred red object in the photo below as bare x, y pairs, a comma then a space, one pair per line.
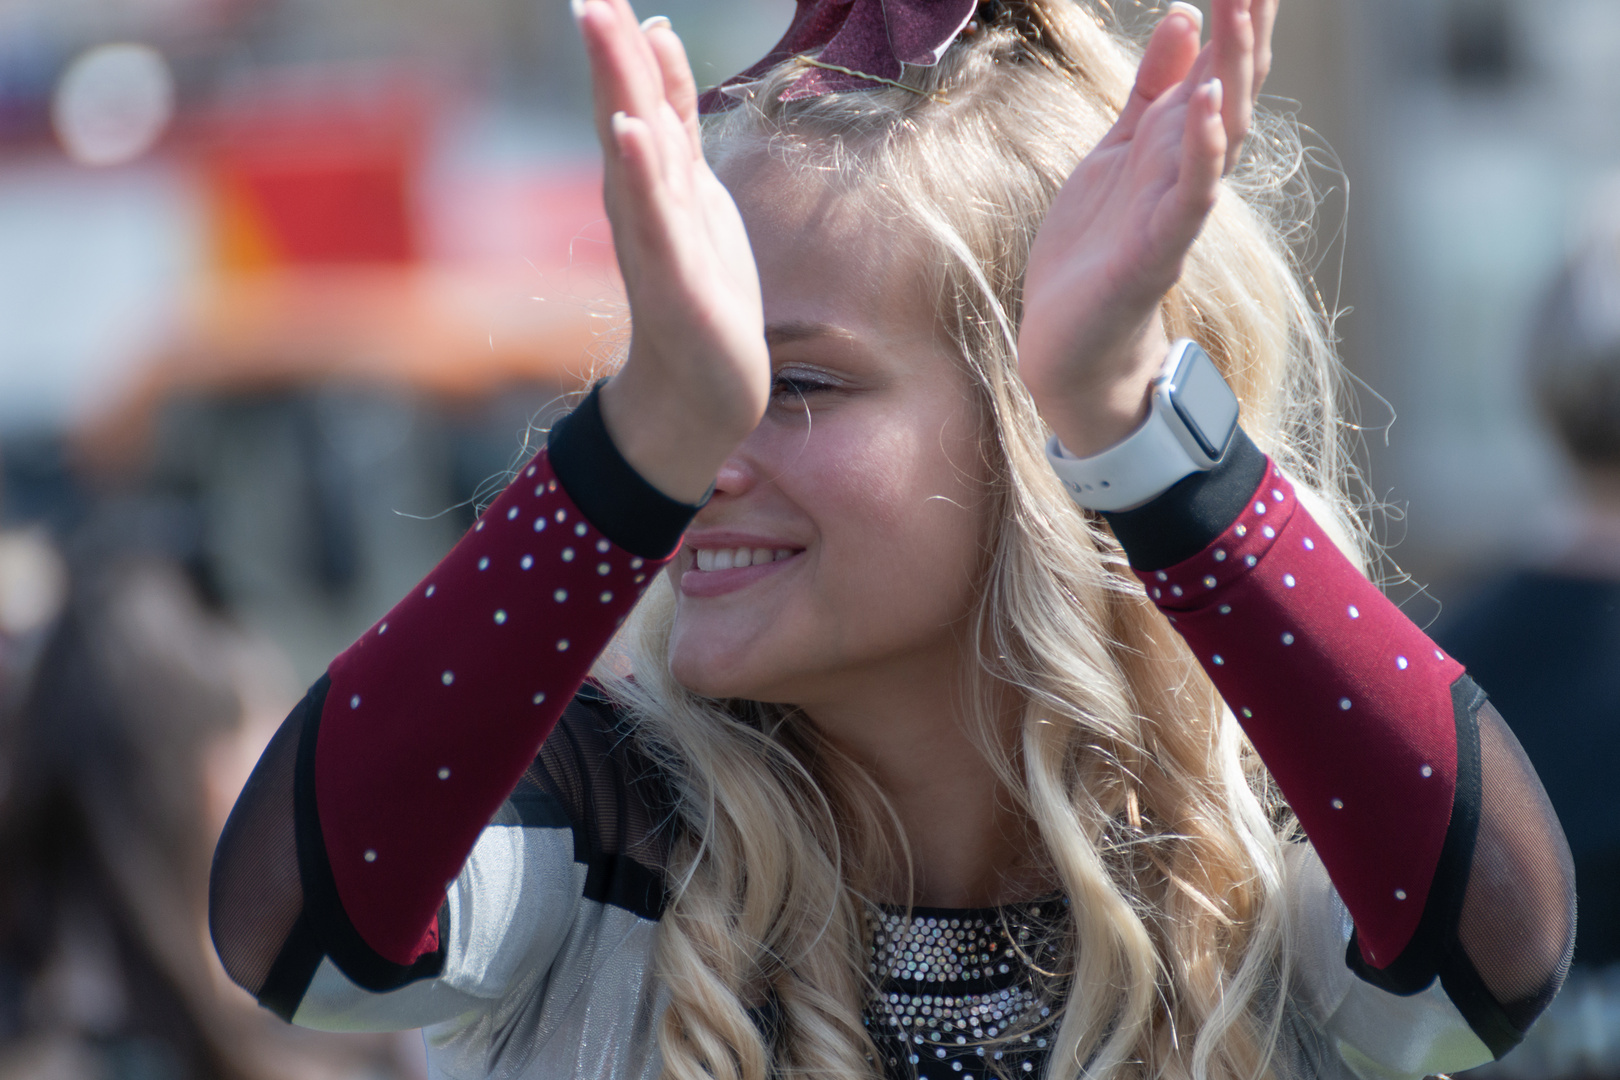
315, 170
329, 262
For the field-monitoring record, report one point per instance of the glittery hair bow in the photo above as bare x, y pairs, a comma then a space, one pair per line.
863, 43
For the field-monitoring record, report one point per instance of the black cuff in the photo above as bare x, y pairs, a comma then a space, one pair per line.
608, 491
1195, 509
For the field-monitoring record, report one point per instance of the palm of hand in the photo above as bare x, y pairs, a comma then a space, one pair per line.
1111, 245
1118, 232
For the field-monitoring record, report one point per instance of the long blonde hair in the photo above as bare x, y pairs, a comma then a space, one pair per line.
1156, 820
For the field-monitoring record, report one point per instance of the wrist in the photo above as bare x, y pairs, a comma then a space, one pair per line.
1099, 403
671, 448
1191, 422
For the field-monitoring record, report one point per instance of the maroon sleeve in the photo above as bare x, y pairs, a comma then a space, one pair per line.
1348, 703
432, 715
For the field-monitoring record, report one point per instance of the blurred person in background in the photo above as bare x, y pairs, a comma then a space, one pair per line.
1546, 639
131, 717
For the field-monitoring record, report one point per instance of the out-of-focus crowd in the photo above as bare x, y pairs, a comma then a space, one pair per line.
130, 715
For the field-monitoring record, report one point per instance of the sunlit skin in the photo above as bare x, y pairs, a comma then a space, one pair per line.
786, 346
867, 466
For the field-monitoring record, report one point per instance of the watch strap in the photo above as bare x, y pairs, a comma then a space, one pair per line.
1162, 450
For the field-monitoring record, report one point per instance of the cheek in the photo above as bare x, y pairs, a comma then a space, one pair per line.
900, 519
896, 515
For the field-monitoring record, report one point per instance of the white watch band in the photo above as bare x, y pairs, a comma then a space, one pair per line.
1151, 458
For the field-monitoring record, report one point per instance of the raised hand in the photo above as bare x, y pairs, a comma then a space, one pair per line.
697, 379
1118, 232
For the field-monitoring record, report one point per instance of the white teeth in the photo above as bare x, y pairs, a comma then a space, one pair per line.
708, 559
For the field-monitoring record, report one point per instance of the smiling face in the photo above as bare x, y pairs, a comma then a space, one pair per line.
841, 549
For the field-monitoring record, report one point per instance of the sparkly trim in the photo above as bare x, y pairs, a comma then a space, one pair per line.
963, 993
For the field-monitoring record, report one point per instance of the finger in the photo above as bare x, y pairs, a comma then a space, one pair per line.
1170, 52
1232, 45
1263, 13
1203, 155
624, 74
680, 89
675, 158
640, 227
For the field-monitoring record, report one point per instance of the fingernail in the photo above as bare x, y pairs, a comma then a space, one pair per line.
1188, 10
578, 7
619, 121
1216, 92
653, 22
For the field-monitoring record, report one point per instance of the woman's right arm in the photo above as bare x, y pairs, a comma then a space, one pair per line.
370, 798
367, 803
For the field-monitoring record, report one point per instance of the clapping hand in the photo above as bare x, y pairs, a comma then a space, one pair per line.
697, 379
1118, 232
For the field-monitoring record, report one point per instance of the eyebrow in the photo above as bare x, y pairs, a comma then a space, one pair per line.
783, 333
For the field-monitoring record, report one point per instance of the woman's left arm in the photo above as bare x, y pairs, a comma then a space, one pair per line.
1432, 826
1430, 821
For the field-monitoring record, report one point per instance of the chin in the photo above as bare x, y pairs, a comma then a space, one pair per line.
715, 671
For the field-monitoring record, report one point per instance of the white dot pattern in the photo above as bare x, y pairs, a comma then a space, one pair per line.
495, 636
1335, 695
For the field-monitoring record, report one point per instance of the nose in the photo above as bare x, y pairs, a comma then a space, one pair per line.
755, 461
737, 475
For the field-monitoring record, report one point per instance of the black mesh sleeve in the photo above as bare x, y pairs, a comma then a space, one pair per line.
1499, 927
255, 896
615, 801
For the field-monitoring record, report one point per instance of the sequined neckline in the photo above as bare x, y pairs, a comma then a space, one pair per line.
958, 993
959, 949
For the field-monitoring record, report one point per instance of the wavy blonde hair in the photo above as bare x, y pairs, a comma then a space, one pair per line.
1155, 818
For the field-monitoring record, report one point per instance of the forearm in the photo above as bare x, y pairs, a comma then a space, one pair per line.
1372, 732
422, 727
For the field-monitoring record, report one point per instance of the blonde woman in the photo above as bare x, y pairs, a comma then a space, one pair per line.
906, 764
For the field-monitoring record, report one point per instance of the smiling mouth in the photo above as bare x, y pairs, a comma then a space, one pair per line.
711, 559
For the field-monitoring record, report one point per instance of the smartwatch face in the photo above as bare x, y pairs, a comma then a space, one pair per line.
1204, 402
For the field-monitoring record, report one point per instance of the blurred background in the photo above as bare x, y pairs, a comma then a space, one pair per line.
285, 285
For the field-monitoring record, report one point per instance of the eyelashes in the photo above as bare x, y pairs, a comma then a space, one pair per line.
797, 385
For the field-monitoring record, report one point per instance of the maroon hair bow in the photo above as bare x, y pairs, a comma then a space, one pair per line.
871, 38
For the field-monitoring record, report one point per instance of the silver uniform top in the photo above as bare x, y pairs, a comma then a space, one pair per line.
550, 933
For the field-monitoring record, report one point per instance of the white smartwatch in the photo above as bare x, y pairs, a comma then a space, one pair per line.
1193, 417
